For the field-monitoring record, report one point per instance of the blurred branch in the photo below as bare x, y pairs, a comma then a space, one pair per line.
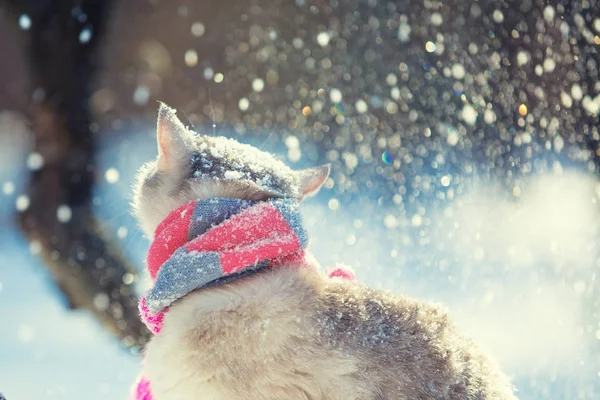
63, 45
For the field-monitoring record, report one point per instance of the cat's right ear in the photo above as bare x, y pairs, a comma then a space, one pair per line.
310, 180
175, 142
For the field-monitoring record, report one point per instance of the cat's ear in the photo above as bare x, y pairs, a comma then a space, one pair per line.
310, 180
175, 142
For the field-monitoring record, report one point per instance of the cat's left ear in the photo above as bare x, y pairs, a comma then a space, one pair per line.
175, 142
310, 180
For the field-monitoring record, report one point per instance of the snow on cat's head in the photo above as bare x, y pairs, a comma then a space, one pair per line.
190, 166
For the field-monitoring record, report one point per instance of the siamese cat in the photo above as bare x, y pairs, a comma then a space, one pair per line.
289, 333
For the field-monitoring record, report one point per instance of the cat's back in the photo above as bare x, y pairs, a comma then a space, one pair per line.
289, 334
410, 347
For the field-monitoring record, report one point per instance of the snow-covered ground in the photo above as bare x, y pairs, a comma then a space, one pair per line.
516, 274
46, 351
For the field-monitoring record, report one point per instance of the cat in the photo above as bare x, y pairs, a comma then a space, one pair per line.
288, 333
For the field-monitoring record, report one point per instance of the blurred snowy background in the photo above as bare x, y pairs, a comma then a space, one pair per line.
464, 142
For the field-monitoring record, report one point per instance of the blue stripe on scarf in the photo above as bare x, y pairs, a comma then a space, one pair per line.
181, 274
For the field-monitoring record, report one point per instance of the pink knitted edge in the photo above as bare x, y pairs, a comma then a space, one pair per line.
340, 272
154, 322
141, 390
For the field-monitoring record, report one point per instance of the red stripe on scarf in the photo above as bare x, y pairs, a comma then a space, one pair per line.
171, 234
255, 234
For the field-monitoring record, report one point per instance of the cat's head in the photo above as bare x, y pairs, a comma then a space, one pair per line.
190, 166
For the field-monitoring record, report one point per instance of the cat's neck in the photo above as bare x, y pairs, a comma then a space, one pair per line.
291, 282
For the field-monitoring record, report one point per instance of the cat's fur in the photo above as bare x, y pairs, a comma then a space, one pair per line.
287, 333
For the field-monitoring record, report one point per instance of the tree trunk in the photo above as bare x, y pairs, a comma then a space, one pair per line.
63, 44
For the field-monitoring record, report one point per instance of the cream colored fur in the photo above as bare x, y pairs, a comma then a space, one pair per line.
289, 334
255, 339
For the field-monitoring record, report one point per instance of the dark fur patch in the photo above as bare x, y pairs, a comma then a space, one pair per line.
226, 159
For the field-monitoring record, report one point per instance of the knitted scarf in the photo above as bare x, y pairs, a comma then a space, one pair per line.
215, 241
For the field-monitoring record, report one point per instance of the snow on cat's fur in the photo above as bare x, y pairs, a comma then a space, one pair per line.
287, 333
